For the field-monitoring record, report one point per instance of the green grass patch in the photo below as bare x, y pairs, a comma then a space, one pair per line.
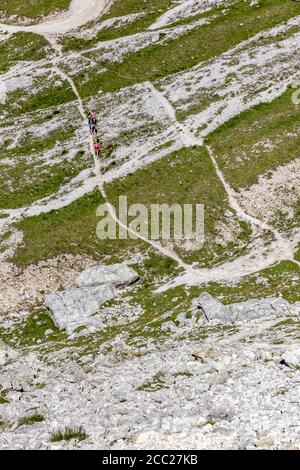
28, 182
184, 177
3, 400
287, 322
22, 47
127, 7
154, 62
32, 8
69, 230
153, 385
29, 145
257, 140
47, 97
29, 420
297, 254
31, 330
69, 433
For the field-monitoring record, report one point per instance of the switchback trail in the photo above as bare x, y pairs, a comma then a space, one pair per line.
156, 245
260, 257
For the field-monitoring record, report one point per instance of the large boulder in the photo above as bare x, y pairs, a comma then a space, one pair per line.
241, 311
75, 307
291, 357
116, 274
212, 308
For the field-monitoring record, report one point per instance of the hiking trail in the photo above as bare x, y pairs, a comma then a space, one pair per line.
260, 256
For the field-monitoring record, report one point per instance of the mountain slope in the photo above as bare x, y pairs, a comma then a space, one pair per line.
197, 103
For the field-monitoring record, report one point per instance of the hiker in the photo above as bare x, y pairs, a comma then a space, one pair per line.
90, 121
94, 117
97, 147
93, 130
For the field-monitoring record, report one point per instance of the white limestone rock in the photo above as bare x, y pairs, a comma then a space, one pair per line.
19, 380
6, 354
212, 308
292, 357
116, 274
74, 308
295, 308
241, 311
251, 309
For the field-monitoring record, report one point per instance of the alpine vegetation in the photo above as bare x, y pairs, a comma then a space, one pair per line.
149, 224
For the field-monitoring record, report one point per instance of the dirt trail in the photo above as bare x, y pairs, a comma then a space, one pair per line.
79, 13
97, 168
283, 245
260, 255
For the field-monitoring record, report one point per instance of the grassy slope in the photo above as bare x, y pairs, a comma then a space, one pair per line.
73, 229
32, 8
151, 10
32, 182
154, 62
30, 145
206, 97
23, 101
69, 230
22, 47
276, 122
183, 177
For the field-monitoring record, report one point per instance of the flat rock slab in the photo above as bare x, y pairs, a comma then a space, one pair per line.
74, 308
251, 309
213, 309
116, 274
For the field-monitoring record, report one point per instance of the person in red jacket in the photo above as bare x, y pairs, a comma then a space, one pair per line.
93, 116
97, 147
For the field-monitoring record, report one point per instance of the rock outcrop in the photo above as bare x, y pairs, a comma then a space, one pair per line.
116, 274
291, 357
213, 309
77, 307
73, 308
